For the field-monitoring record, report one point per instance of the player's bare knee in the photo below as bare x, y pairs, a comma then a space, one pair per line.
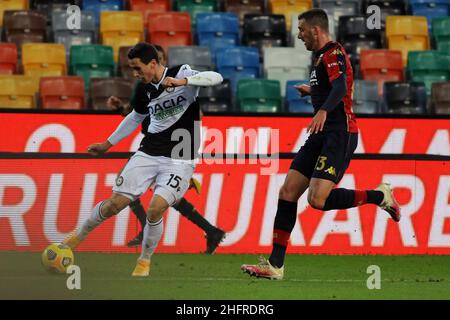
154, 214
288, 194
110, 208
316, 201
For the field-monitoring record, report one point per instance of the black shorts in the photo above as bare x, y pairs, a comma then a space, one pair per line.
326, 155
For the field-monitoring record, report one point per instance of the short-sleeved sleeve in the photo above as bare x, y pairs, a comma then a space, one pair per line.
139, 99
186, 71
335, 63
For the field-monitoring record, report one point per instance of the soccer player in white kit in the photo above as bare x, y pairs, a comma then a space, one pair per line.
162, 159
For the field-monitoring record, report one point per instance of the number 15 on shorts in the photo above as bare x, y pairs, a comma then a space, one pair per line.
174, 181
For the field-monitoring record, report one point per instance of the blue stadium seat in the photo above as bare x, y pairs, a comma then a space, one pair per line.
295, 102
98, 6
238, 63
217, 30
430, 9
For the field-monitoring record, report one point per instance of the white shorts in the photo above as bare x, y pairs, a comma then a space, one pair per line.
169, 177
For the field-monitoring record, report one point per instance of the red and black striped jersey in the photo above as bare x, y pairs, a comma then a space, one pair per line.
328, 64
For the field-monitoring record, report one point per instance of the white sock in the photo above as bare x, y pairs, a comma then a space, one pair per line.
93, 221
152, 234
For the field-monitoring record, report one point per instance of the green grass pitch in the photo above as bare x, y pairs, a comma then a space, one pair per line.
197, 276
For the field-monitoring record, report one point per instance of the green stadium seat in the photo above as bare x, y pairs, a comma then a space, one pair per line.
193, 7
441, 31
259, 95
444, 47
428, 67
91, 61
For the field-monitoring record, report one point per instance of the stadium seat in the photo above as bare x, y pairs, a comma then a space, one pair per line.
124, 69
354, 34
428, 67
440, 98
294, 101
429, 9
8, 58
12, 5
49, 6
243, 7
365, 97
285, 64
288, 7
259, 95
43, 59
194, 7
441, 31
18, 91
381, 65
61, 93
149, 6
387, 7
24, 26
238, 63
217, 30
264, 31
169, 29
120, 29
407, 33
336, 9
405, 97
102, 88
216, 98
198, 58
97, 6
68, 37
444, 46
92, 60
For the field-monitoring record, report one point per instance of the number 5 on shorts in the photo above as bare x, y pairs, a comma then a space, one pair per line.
175, 179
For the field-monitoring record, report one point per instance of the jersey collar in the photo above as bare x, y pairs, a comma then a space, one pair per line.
322, 50
156, 85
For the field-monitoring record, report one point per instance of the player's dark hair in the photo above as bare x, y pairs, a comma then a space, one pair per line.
160, 49
315, 17
144, 51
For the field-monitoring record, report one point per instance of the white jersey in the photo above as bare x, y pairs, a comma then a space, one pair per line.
169, 109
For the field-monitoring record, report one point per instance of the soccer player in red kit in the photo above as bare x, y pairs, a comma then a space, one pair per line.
321, 162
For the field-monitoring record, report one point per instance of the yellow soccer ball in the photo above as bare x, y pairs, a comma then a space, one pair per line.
57, 257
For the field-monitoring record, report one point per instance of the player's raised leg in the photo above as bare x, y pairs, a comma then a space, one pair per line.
273, 268
102, 211
323, 196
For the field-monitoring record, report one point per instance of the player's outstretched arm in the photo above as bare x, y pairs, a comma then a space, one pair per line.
130, 123
99, 148
201, 79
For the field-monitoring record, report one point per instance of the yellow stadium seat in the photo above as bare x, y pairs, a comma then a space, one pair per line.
407, 33
288, 7
121, 29
11, 5
18, 91
44, 59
